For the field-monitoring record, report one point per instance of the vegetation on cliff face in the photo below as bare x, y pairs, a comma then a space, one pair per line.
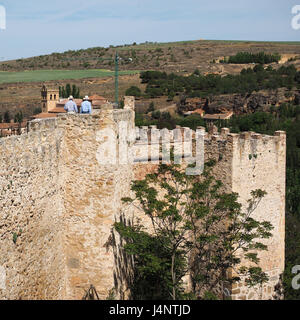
187, 214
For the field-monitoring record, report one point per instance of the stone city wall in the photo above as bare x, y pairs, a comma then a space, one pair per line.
61, 191
31, 214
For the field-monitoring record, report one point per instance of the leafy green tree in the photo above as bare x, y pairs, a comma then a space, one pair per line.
197, 85
166, 116
18, 117
171, 95
247, 57
37, 110
188, 215
67, 91
151, 107
258, 68
156, 115
75, 91
133, 91
7, 117
193, 121
197, 72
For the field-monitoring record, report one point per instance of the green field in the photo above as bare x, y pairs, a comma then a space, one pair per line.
48, 75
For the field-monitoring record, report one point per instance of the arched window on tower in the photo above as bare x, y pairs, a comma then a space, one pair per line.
55, 97
50, 96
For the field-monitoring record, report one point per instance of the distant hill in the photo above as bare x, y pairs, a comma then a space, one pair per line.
92, 69
184, 56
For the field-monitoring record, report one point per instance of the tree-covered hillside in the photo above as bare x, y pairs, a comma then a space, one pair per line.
198, 85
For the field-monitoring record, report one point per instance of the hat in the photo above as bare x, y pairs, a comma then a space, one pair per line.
86, 98
71, 98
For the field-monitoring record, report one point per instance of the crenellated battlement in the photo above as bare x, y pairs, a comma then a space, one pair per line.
151, 134
184, 140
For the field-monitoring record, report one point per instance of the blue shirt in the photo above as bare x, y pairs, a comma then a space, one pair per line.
86, 107
71, 106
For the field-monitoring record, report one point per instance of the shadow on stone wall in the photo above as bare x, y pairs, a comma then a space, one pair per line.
124, 263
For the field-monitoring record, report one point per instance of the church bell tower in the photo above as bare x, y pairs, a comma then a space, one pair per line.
50, 97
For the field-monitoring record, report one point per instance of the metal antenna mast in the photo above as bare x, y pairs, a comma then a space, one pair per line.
117, 80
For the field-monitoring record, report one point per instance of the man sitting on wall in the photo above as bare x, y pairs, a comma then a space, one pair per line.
86, 106
71, 106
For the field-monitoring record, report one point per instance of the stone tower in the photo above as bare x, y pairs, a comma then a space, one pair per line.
244, 162
49, 98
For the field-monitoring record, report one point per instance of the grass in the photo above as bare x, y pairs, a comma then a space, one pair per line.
49, 75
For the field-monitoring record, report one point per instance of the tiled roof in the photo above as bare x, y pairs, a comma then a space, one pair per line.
44, 115
58, 109
64, 101
97, 97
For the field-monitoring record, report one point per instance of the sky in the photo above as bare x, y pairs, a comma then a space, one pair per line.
35, 27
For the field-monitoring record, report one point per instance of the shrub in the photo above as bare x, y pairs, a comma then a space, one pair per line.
133, 91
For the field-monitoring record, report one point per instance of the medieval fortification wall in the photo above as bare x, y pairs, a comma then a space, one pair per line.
59, 199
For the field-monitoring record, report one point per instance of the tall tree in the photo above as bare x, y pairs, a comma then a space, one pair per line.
189, 215
19, 117
7, 117
68, 90
75, 91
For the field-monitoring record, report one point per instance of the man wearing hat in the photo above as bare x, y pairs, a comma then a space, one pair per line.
86, 106
71, 106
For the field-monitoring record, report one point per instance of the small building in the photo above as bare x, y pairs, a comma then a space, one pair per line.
218, 116
50, 97
97, 100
